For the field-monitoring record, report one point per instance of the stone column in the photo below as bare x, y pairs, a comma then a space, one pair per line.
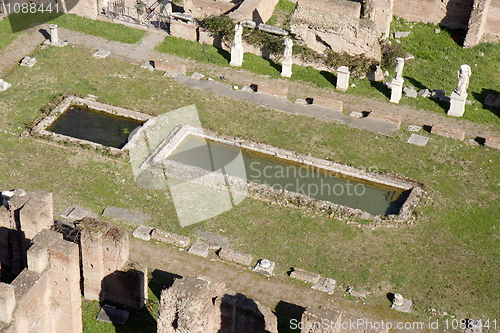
54, 37
343, 78
458, 97
397, 81
237, 49
286, 65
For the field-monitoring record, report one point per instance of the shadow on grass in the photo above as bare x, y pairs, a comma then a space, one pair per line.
330, 77
380, 86
225, 54
287, 314
142, 321
488, 101
161, 280
416, 83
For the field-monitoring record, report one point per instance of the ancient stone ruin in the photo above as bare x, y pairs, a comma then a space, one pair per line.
199, 305
40, 268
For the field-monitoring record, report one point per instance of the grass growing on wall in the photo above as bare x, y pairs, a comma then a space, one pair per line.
282, 13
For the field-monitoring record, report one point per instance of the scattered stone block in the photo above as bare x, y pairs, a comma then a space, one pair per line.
437, 31
170, 238
329, 103
356, 114
247, 89
448, 131
410, 92
199, 248
414, 128
197, 76
301, 101
424, 93
326, 285
238, 257
215, 241
492, 141
492, 100
101, 54
272, 29
359, 294
143, 232
28, 62
401, 304
112, 315
272, 89
171, 70
401, 34
147, 65
248, 24
183, 16
418, 140
305, 276
389, 117
77, 213
4, 85
265, 266
409, 57
125, 215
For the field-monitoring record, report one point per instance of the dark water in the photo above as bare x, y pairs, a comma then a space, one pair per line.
86, 124
282, 174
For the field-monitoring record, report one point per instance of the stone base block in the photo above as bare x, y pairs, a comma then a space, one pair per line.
265, 266
272, 89
457, 105
449, 132
305, 276
143, 232
286, 69
236, 56
4, 85
492, 100
238, 257
170, 238
406, 307
396, 90
385, 116
492, 141
326, 285
328, 103
418, 140
171, 70
199, 248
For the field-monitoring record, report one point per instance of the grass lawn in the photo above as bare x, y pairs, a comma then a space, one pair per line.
437, 59
448, 260
11, 26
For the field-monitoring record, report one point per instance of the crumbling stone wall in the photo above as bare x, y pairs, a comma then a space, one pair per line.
45, 296
493, 19
104, 250
197, 305
201, 9
23, 216
259, 11
336, 24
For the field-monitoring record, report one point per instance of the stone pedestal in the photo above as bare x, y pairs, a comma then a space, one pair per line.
286, 69
397, 90
236, 56
54, 36
457, 104
343, 78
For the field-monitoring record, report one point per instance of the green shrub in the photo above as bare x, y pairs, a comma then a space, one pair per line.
274, 44
221, 27
358, 65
